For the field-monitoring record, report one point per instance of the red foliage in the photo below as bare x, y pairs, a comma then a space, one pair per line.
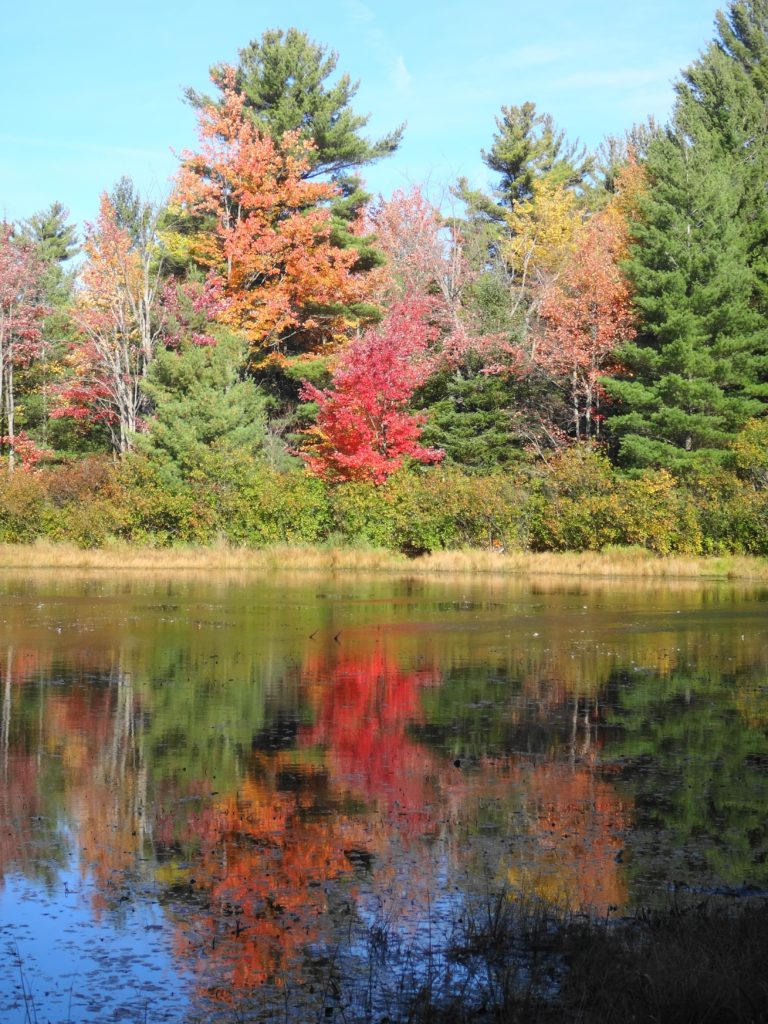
21, 307
27, 450
424, 252
363, 431
189, 307
363, 723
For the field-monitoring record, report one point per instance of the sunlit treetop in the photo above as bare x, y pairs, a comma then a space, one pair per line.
283, 80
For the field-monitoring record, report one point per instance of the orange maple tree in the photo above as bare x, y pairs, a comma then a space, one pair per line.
586, 313
265, 228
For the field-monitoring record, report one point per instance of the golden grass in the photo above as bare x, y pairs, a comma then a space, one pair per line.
612, 564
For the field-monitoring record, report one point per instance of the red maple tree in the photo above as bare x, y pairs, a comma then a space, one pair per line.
363, 429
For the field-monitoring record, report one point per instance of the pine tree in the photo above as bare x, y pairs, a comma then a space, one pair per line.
697, 369
527, 147
55, 242
743, 36
283, 78
202, 405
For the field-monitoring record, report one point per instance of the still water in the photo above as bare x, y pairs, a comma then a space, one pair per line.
218, 792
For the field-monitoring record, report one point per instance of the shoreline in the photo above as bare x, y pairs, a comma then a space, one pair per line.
619, 563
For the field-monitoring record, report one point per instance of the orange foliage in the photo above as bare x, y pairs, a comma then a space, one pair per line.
270, 240
264, 863
586, 315
577, 822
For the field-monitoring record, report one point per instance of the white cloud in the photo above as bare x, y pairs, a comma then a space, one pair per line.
401, 77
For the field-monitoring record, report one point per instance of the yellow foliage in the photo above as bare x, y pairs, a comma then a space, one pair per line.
542, 231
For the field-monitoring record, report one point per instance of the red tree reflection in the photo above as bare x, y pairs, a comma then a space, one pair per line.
362, 720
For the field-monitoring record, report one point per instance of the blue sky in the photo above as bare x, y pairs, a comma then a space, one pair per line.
91, 91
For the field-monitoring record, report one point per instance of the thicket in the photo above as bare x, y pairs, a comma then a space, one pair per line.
578, 502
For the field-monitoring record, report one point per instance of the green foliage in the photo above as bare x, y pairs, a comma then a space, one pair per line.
743, 33
526, 146
443, 508
154, 513
690, 718
470, 418
201, 403
24, 507
283, 77
582, 504
135, 215
732, 513
55, 242
254, 504
698, 369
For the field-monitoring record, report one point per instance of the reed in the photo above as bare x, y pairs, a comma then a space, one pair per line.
514, 959
615, 563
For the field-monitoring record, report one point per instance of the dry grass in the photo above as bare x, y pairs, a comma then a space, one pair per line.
619, 563
613, 563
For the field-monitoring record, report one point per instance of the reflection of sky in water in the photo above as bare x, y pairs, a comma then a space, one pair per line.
76, 966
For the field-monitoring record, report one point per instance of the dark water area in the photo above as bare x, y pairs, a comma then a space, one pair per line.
217, 795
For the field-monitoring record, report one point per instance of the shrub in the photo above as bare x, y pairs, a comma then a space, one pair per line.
23, 507
257, 505
148, 511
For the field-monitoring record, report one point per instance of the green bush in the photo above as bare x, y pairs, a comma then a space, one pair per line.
88, 523
258, 505
733, 514
429, 510
24, 507
578, 502
148, 511
657, 514
583, 504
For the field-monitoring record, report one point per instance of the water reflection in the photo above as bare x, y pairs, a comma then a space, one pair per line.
260, 772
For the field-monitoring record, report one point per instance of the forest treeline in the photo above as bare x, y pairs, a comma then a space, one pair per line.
575, 359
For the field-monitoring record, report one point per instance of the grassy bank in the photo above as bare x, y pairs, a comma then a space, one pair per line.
615, 563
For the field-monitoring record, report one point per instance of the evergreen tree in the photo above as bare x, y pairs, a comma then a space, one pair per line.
202, 405
730, 85
55, 241
527, 146
476, 416
527, 152
471, 417
284, 80
743, 36
48, 230
696, 372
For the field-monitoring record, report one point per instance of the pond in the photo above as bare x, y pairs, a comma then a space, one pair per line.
218, 794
